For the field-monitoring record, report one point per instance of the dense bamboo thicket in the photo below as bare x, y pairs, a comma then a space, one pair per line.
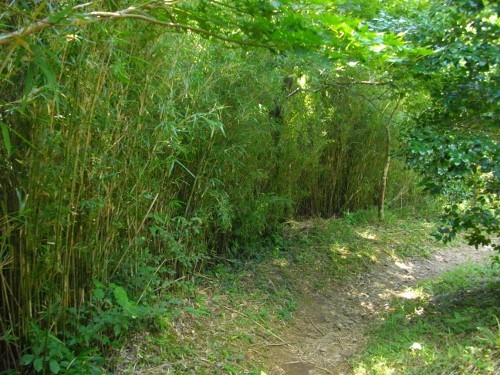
139, 147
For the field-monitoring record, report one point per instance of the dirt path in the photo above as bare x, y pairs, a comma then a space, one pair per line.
330, 328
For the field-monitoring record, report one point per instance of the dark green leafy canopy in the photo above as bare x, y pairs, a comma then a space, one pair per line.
455, 141
465, 169
461, 73
464, 36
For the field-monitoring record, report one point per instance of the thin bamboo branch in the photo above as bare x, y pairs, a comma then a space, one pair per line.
136, 234
366, 83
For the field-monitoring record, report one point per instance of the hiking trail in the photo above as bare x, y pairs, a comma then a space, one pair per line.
330, 327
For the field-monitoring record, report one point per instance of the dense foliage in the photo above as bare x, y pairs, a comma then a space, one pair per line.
454, 144
138, 147
453, 131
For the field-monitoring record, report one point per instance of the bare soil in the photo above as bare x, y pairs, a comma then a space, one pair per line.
329, 328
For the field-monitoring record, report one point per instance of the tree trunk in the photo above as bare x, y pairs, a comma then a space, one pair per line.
385, 173
387, 157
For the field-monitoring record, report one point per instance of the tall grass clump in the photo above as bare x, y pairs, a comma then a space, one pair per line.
131, 156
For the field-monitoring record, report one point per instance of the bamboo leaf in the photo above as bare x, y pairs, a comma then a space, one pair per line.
6, 138
28, 86
42, 59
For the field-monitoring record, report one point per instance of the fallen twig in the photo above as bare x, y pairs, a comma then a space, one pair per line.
315, 365
314, 325
254, 321
278, 344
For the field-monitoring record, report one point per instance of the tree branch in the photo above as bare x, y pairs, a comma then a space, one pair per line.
349, 83
100, 16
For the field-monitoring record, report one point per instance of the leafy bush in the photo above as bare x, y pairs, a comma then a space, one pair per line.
89, 333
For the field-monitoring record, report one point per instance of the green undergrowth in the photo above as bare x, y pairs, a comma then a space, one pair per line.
224, 319
234, 315
337, 249
451, 328
238, 308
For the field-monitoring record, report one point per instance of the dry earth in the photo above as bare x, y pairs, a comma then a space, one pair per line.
330, 328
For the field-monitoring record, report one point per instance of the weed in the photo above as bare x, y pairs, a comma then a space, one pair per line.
91, 332
49, 354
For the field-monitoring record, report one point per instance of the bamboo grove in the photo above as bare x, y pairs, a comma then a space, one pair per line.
125, 146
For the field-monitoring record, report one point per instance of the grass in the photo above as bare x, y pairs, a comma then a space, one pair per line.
336, 249
234, 312
232, 315
451, 328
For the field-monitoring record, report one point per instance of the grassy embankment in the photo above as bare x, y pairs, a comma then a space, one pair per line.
451, 328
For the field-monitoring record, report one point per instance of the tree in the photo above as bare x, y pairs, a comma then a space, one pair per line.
452, 140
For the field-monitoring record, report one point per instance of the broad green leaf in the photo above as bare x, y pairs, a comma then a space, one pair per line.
27, 359
121, 296
98, 284
54, 366
99, 294
38, 364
